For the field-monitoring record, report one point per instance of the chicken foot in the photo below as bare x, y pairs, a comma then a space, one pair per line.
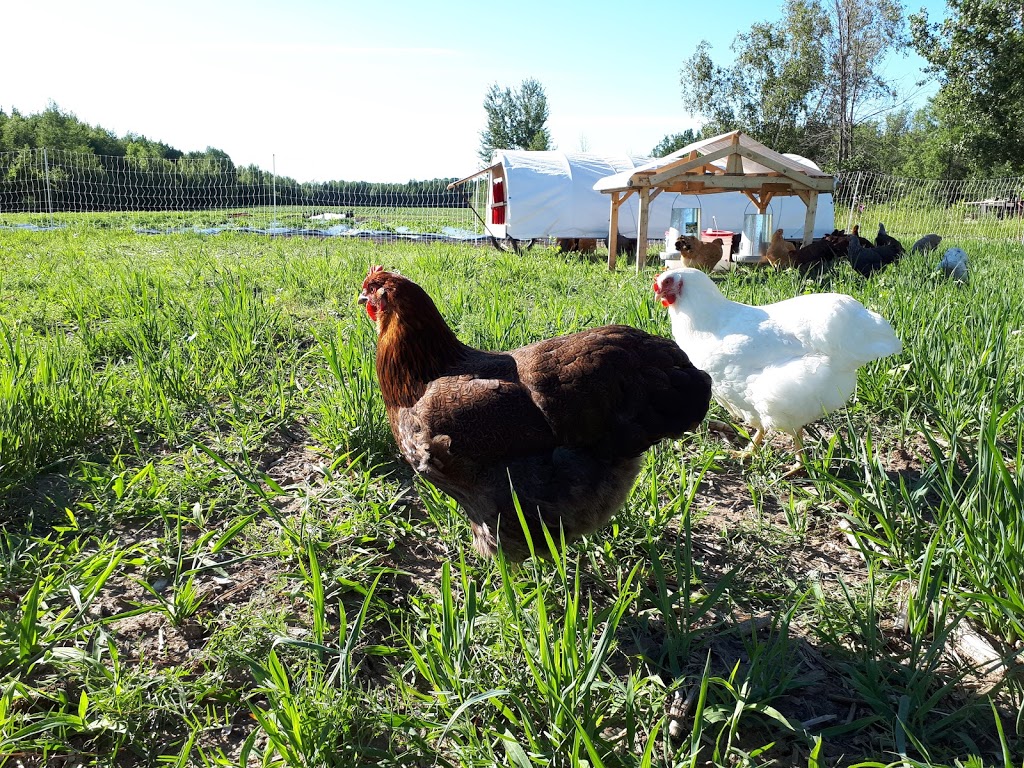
755, 443
793, 470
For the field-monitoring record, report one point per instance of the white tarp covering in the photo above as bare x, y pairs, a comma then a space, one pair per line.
558, 194
551, 194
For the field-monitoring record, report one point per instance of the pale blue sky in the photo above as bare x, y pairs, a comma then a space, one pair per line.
376, 91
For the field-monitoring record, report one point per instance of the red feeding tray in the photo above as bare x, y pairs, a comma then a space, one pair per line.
711, 234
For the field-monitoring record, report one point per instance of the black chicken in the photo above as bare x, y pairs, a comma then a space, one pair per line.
867, 261
883, 239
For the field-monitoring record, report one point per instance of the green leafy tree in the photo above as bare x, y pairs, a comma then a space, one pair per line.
768, 89
804, 83
57, 129
893, 144
17, 133
908, 143
94, 161
860, 34
675, 141
104, 142
977, 52
140, 147
516, 119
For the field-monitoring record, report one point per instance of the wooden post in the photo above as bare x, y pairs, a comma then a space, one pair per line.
613, 231
812, 212
641, 228
734, 163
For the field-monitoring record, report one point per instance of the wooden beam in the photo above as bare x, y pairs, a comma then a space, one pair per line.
790, 173
818, 183
707, 187
761, 200
680, 167
774, 183
613, 229
812, 211
734, 165
641, 230
693, 188
640, 179
481, 172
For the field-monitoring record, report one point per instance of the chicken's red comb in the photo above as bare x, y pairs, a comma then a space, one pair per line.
375, 269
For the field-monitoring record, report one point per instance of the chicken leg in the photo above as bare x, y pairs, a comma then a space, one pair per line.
800, 466
755, 442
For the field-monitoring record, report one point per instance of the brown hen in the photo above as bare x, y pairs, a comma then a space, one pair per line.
695, 253
564, 421
780, 251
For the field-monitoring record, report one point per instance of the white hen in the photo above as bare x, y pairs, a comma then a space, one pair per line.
778, 366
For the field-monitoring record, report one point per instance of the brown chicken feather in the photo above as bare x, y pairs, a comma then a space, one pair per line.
565, 420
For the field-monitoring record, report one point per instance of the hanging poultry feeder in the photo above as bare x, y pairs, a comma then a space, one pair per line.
686, 220
683, 220
757, 234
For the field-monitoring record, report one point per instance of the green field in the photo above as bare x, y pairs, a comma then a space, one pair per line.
211, 555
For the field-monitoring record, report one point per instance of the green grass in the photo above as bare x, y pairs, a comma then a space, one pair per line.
211, 555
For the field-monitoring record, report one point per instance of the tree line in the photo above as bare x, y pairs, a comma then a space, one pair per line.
89, 167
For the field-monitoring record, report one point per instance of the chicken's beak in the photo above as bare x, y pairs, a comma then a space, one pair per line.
371, 310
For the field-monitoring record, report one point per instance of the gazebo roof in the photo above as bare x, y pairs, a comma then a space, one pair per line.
730, 162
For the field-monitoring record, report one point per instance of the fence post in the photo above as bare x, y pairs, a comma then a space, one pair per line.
853, 203
46, 176
273, 188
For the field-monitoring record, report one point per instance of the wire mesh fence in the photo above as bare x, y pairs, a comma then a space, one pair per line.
969, 209
47, 188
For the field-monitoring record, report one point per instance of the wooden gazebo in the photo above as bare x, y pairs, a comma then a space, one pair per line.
731, 162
